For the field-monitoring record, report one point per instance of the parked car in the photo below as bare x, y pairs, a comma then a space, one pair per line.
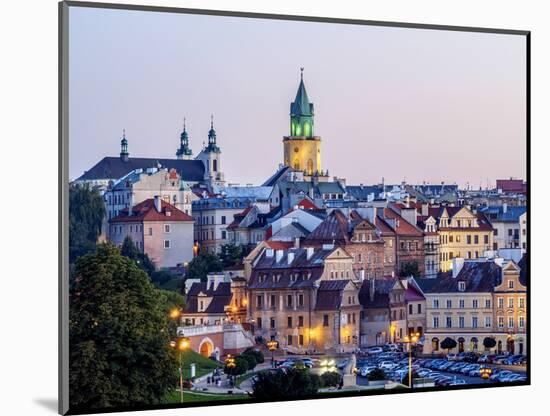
374, 350
451, 357
386, 365
513, 359
366, 370
457, 382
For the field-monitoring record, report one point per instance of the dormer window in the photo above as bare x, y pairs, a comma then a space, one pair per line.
461, 286
510, 284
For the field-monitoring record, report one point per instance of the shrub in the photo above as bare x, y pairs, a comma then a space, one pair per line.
331, 379
250, 359
377, 374
256, 353
489, 342
448, 344
276, 385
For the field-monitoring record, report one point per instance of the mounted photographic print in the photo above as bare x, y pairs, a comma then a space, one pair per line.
268, 208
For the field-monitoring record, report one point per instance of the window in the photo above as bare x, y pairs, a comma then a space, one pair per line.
500, 302
300, 321
301, 339
476, 239
435, 344
259, 301
461, 322
501, 321
223, 219
410, 309
289, 301
449, 303
521, 303
461, 286
487, 322
419, 308
436, 322
488, 303
325, 320
259, 323
435, 303
150, 231
474, 303
166, 244
166, 228
448, 322
300, 300
510, 284
461, 303
289, 340
522, 322
510, 302
224, 235
272, 323
273, 301
468, 239
451, 238
486, 239
474, 321
510, 322
289, 322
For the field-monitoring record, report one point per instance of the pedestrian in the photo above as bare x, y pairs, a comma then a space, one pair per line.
208, 380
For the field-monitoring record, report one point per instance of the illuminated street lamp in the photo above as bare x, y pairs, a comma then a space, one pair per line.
272, 346
411, 340
230, 361
181, 345
175, 313
485, 372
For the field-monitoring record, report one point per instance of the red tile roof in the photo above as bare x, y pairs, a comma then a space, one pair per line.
404, 227
280, 245
146, 211
307, 204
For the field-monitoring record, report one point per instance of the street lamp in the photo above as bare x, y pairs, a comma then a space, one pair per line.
485, 372
181, 345
411, 340
272, 346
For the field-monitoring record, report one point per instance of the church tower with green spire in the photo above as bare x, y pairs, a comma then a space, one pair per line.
184, 151
210, 155
302, 149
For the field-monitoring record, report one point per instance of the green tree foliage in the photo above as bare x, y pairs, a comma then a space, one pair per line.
448, 344
241, 366
377, 374
86, 212
292, 383
231, 255
256, 353
331, 379
130, 250
118, 335
410, 269
489, 342
203, 264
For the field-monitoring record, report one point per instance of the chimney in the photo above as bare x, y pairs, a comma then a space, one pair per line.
425, 210
269, 253
290, 257
131, 205
158, 203
371, 290
408, 201
278, 255
458, 263
309, 252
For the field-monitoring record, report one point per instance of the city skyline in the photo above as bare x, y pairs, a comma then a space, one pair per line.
389, 104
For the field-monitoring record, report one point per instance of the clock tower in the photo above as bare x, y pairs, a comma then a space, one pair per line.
302, 149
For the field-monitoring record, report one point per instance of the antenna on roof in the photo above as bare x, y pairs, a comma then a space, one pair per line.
301, 73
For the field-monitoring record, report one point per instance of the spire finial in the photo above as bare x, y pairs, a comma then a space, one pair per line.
301, 72
211, 121
184, 124
123, 133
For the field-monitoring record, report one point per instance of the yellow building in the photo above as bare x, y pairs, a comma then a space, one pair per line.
462, 233
302, 149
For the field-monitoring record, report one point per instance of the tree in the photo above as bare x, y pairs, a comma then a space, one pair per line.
241, 366
256, 353
448, 344
203, 264
292, 383
86, 213
231, 255
409, 268
489, 342
331, 379
118, 335
250, 360
130, 250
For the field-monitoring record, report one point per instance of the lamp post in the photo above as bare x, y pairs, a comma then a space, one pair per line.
272, 346
411, 340
181, 344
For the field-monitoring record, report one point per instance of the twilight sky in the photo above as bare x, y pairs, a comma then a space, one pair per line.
397, 103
